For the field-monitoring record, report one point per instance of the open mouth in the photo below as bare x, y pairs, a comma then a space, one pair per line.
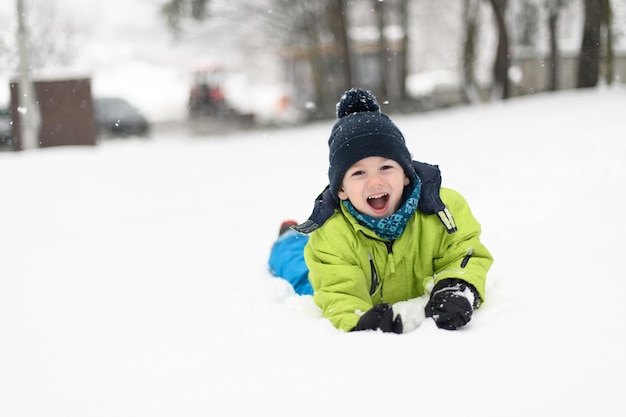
378, 201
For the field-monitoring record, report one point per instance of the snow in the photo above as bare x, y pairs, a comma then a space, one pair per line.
424, 84
134, 281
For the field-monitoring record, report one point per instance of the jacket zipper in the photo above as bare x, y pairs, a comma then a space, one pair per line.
392, 261
375, 277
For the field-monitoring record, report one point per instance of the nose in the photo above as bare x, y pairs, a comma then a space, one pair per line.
374, 180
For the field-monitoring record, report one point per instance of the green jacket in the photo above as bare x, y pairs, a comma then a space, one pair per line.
351, 269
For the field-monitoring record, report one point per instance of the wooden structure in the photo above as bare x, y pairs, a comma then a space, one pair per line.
66, 110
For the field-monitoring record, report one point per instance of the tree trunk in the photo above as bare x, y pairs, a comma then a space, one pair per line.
29, 117
318, 68
339, 26
589, 60
379, 7
553, 67
503, 59
610, 57
470, 91
404, 58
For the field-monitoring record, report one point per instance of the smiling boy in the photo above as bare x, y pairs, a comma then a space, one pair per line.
374, 185
380, 233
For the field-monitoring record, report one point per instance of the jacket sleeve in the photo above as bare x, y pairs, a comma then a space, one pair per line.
462, 254
340, 284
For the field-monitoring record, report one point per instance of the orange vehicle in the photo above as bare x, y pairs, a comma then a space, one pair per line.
209, 108
206, 97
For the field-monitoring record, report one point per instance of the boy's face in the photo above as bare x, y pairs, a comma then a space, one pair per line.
374, 186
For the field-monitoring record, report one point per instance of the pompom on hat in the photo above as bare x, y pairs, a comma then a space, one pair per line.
362, 131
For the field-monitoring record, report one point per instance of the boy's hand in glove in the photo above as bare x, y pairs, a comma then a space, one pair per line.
380, 317
452, 302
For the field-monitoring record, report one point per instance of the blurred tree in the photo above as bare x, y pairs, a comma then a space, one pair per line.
607, 21
527, 25
177, 10
318, 33
314, 18
6, 53
404, 49
314, 31
28, 108
471, 14
379, 8
554, 8
589, 59
391, 19
502, 63
339, 28
52, 36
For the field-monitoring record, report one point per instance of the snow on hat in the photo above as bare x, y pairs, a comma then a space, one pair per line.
362, 131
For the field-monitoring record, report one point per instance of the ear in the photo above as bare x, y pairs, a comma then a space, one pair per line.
342, 194
407, 181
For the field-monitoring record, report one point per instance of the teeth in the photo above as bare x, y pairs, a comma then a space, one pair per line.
376, 196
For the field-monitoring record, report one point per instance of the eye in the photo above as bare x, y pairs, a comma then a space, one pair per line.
357, 173
386, 167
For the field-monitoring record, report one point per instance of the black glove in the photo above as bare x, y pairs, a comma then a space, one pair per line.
380, 317
449, 305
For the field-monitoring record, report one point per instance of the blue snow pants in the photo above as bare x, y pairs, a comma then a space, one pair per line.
287, 261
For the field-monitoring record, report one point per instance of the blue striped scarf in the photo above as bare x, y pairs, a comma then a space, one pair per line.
390, 227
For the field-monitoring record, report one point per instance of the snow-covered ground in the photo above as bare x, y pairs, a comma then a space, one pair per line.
134, 282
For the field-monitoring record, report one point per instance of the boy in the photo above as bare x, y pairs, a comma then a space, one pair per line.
380, 233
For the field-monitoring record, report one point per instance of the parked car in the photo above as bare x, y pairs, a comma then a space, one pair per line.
117, 117
6, 129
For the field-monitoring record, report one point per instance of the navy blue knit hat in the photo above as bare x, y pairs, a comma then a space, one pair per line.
362, 131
